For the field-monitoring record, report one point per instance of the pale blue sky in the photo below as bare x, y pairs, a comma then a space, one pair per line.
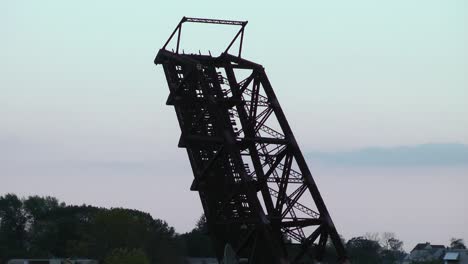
389, 73
81, 101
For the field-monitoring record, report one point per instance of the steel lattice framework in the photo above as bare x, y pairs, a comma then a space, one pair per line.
253, 181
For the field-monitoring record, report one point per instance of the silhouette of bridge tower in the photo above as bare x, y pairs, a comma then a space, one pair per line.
257, 192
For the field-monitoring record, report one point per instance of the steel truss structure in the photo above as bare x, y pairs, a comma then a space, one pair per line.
252, 179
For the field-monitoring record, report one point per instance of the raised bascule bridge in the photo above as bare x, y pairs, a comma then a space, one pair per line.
258, 194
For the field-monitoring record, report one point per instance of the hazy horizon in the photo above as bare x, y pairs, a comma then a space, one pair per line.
362, 198
394, 208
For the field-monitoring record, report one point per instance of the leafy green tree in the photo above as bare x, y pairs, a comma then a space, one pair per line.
330, 255
392, 248
363, 251
12, 226
125, 256
197, 242
37, 207
124, 228
42, 227
457, 243
435, 261
202, 224
53, 234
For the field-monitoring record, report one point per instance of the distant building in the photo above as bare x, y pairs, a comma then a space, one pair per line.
425, 252
52, 261
456, 256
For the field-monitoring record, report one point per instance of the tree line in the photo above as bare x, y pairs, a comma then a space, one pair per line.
43, 227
